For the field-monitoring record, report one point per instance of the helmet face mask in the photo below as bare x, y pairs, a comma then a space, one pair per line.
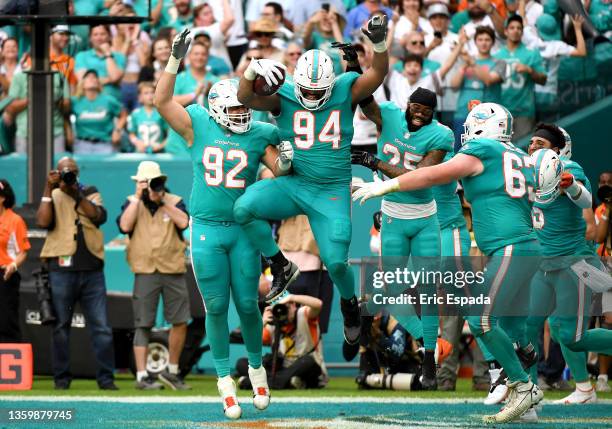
548, 171
314, 79
488, 120
223, 96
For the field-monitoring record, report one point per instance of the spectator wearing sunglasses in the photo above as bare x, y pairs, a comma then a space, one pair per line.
415, 45
292, 54
263, 31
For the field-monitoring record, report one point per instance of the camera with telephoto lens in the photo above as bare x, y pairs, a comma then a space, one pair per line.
68, 177
604, 194
280, 314
43, 293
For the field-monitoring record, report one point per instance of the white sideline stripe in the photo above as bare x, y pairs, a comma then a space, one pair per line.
276, 400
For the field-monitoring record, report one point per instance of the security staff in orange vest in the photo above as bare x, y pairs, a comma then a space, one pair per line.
74, 250
154, 220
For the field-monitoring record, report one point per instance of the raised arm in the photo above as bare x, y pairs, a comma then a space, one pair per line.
450, 61
228, 17
269, 69
367, 83
580, 51
174, 113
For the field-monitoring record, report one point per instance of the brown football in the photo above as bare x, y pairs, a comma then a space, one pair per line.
260, 87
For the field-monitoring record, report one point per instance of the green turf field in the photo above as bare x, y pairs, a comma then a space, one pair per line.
205, 385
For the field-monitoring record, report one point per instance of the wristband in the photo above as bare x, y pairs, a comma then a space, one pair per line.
249, 74
173, 65
46, 200
379, 47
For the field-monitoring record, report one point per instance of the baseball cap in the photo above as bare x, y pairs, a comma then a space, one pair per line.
61, 29
437, 9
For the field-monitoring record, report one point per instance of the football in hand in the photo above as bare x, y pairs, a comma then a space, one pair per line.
261, 87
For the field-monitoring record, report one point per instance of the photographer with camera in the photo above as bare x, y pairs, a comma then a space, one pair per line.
388, 356
14, 246
155, 220
291, 327
72, 213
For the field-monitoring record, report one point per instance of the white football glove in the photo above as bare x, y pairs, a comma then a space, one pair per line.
365, 190
285, 155
269, 69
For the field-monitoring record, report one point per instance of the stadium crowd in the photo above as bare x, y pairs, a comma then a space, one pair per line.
513, 52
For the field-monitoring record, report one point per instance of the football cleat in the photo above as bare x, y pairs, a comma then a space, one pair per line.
529, 416
282, 278
227, 390
261, 391
522, 396
352, 319
579, 397
498, 391
602, 384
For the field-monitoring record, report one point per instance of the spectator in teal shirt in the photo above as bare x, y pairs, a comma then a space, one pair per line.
100, 118
146, 128
109, 65
320, 31
525, 69
478, 78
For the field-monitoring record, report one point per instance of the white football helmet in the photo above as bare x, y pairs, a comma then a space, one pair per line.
314, 75
566, 152
222, 96
548, 171
488, 120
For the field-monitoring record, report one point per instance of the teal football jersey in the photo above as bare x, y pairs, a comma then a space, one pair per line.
398, 146
559, 225
450, 212
148, 127
321, 139
224, 163
473, 88
500, 195
518, 93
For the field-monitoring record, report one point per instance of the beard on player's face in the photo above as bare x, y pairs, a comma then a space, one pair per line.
418, 116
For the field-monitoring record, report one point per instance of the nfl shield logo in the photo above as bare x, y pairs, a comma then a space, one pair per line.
406, 135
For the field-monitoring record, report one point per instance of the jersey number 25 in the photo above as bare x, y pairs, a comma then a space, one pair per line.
213, 159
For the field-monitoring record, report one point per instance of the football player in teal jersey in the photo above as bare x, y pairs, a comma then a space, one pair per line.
314, 112
558, 292
497, 178
226, 148
410, 140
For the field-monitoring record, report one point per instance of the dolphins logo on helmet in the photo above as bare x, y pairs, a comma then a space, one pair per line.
222, 96
548, 171
314, 79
